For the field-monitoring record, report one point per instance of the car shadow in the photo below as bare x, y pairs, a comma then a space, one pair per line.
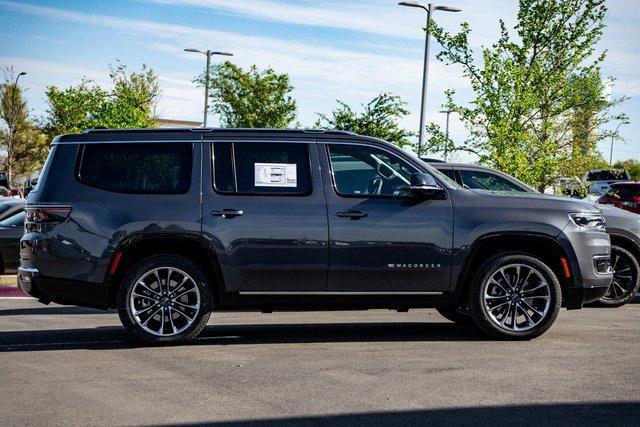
552, 414
53, 310
116, 337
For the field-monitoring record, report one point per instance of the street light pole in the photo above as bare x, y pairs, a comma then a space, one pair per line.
425, 70
447, 112
207, 74
613, 134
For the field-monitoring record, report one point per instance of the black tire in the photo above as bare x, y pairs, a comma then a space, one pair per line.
540, 320
459, 314
175, 265
626, 278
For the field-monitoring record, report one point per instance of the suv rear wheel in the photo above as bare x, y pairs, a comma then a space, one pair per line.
626, 278
164, 299
515, 296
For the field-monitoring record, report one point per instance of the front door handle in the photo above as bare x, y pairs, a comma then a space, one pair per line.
352, 214
227, 213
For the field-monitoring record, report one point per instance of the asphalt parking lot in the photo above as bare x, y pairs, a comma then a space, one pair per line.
68, 365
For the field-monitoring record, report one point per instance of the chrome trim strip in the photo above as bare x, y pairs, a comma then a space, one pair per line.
31, 272
334, 293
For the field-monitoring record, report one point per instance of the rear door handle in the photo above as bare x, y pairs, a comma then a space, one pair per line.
352, 214
227, 213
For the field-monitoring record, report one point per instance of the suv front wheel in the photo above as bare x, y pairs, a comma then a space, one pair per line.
515, 296
164, 299
626, 278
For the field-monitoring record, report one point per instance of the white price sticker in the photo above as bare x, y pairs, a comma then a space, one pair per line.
275, 175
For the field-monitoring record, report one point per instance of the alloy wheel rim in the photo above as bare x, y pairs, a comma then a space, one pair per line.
623, 278
516, 297
165, 301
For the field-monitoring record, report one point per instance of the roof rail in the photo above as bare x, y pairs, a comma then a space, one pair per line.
181, 129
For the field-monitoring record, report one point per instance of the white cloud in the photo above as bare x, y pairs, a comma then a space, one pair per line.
317, 71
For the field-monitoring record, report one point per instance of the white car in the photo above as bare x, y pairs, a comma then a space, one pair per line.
599, 180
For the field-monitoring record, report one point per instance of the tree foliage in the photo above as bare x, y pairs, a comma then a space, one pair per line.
24, 146
631, 165
130, 103
379, 119
250, 99
539, 97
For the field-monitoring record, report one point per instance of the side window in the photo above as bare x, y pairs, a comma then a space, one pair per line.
153, 168
261, 168
361, 171
487, 181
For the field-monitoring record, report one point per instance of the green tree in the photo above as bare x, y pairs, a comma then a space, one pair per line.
378, 119
631, 165
130, 103
251, 98
539, 97
22, 143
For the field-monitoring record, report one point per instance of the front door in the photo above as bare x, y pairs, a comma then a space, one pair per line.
382, 239
264, 214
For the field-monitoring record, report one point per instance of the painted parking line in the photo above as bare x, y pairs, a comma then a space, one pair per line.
12, 292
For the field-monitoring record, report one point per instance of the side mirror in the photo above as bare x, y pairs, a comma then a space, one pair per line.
423, 184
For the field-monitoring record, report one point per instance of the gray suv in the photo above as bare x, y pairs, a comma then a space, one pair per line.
623, 227
170, 225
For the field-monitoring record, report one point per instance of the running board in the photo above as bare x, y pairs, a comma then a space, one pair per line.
334, 293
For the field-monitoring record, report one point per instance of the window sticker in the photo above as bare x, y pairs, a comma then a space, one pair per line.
275, 175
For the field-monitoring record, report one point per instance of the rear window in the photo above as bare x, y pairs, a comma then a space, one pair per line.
624, 191
261, 168
605, 175
153, 168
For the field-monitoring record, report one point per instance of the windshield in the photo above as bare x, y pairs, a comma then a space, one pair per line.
439, 175
16, 220
623, 191
607, 175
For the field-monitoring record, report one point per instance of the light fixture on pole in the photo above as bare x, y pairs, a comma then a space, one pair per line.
613, 135
425, 70
208, 54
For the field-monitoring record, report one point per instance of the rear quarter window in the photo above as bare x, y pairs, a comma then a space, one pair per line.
142, 168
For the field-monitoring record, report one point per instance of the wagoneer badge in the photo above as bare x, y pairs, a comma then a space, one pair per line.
428, 266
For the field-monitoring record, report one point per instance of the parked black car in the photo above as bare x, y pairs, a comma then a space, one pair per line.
10, 206
623, 227
11, 230
169, 225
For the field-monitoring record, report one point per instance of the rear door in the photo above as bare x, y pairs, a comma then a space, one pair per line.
265, 215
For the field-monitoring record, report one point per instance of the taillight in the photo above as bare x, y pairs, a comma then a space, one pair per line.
44, 218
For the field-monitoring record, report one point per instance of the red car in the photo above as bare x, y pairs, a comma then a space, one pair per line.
623, 195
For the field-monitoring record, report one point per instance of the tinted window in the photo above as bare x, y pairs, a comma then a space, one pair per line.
486, 181
137, 168
261, 167
359, 170
604, 175
449, 173
624, 191
16, 220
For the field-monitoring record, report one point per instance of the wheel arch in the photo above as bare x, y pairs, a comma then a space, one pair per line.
136, 248
546, 248
627, 243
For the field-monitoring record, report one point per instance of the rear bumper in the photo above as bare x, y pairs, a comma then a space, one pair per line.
62, 291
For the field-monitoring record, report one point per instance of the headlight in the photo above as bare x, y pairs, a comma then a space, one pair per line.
589, 221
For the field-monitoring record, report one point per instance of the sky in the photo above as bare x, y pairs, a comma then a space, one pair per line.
332, 50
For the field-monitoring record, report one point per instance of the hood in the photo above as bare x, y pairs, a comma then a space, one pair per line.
620, 219
571, 204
